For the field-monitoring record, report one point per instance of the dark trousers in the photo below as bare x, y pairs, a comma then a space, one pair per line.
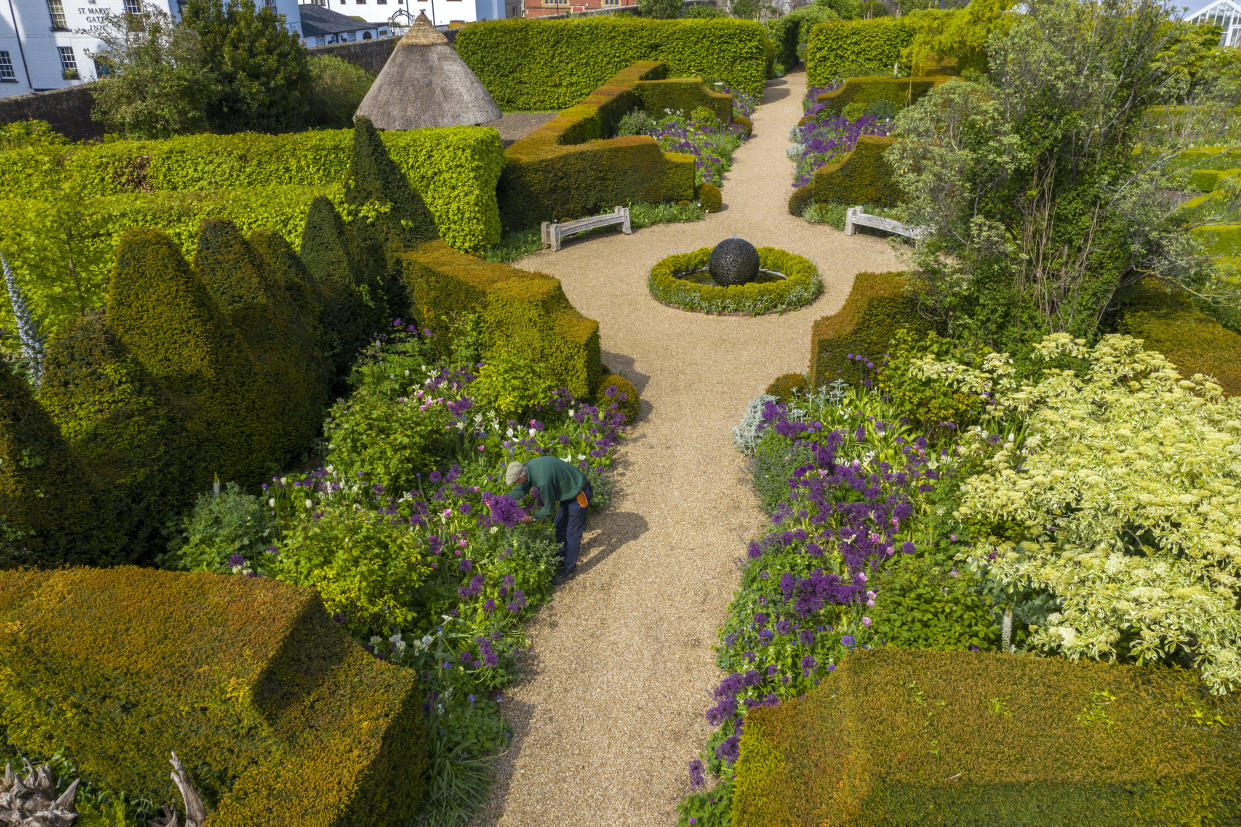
570, 520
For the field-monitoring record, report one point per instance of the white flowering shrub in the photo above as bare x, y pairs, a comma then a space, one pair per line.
1122, 496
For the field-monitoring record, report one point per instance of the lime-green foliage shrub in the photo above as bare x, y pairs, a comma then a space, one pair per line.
876, 308
709, 197
1119, 497
552, 64
900, 92
799, 287
121, 426
163, 314
862, 176
523, 312
220, 525
838, 47
364, 564
454, 170
923, 399
46, 496
571, 166
923, 604
908, 737
615, 388
286, 361
1171, 324
278, 716
511, 384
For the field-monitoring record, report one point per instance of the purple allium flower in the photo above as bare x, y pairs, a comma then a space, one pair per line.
696, 777
847, 640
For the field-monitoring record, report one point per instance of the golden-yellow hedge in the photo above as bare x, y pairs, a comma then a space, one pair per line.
877, 306
278, 716
917, 737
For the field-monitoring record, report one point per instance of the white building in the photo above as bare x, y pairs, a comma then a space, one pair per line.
323, 27
440, 12
44, 44
1225, 13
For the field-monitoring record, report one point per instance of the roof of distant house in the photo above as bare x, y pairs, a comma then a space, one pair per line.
318, 21
1192, 7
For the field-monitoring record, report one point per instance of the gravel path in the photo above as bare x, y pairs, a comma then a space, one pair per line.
610, 710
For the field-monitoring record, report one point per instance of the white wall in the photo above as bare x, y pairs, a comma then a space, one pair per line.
41, 42
10, 43
446, 11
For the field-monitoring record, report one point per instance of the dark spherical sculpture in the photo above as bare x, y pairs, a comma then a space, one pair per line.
733, 261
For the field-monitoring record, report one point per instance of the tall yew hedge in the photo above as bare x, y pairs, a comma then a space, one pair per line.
531, 64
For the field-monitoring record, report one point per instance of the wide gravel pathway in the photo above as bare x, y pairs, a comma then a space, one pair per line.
617, 681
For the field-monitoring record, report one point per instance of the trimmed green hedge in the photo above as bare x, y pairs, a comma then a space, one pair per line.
570, 167
529, 64
1208, 157
521, 311
862, 176
47, 497
900, 92
910, 737
1171, 324
849, 46
876, 308
1220, 239
277, 715
1206, 180
454, 169
800, 286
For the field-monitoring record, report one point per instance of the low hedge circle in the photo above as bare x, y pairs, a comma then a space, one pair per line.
799, 287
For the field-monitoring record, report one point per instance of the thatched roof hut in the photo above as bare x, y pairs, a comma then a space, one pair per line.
425, 83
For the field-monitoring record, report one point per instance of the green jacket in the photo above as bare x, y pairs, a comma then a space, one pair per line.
556, 480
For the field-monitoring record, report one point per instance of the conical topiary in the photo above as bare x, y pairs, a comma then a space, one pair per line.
285, 268
392, 215
122, 427
51, 513
165, 316
352, 309
287, 399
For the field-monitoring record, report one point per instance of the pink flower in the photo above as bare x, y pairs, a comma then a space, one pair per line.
865, 621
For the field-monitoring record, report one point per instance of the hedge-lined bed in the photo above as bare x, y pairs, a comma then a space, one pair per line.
800, 286
553, 64
878, 45
904, 737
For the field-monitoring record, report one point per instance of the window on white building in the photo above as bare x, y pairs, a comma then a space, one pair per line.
133, 6
57, 10
68, 62
7, 75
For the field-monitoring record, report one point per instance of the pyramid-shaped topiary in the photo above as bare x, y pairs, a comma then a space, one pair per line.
122, 427
350, 315
289, 401
391, 215
162, 312
51, 513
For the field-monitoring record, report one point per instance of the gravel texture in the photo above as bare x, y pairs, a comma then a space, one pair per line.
611, 707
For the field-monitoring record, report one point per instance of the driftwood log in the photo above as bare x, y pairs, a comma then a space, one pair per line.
32, 801
195, 813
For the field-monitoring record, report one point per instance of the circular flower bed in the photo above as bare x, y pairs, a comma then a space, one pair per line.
671, 283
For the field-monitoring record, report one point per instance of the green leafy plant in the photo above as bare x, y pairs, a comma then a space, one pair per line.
224, 531
921, 605
511, 384
336, 90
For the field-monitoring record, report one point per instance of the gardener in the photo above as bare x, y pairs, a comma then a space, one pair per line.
561, 487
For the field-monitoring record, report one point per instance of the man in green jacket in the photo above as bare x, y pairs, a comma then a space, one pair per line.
565, 491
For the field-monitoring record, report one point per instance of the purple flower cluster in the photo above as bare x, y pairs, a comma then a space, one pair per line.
822, 141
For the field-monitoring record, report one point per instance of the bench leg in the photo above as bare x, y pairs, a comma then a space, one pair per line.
625, 228
849, 213
546, 230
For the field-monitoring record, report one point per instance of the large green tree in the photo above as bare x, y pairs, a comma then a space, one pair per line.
152, 79
260, 65
1045, 197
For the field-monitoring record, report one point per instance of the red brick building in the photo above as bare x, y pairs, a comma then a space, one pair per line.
544, 8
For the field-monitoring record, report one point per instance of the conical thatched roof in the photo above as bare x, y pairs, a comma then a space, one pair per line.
425, 83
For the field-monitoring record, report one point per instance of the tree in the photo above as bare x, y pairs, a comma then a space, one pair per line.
665, 9
1044, 198
261, 67
153, 82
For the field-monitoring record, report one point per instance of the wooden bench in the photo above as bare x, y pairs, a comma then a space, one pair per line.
553, 234
854, 218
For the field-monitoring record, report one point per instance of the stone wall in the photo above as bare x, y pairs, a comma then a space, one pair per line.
369, 54
67, 110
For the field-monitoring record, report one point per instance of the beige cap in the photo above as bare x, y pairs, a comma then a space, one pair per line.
513, 472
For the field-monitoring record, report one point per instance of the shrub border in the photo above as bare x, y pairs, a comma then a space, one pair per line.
799, 288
